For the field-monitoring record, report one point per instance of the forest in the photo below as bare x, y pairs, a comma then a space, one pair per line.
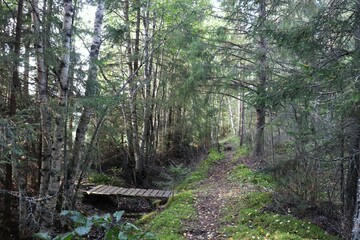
154, 93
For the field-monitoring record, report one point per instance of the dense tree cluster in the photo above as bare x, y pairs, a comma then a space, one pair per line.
148, 84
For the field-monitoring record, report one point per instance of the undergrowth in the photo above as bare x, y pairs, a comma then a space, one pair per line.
243, 174
250, 221
169, 223
245, 215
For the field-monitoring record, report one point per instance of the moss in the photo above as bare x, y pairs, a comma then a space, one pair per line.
245, 218
231, 139
242, 151
259, 225
244, 175
168, 224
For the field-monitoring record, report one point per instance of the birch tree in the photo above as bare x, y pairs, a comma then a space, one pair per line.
52, 165
78, 157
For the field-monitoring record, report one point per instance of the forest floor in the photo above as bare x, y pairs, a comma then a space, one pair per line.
227, 198
215, 193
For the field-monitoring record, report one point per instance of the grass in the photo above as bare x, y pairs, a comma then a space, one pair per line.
169, 224
243, 217
243, 174
250, 220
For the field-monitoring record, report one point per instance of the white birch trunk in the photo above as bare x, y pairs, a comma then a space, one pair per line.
58, 148
231, 117
77, 158
356, 226
46, 118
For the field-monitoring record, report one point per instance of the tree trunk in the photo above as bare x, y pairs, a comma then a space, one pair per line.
46, 123
146, 144
91, 90
353, 172
19, 163
258, 151
356, 223
58, 156
231, 117
242, 119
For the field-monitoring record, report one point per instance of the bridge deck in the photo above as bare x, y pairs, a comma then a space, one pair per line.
129, 192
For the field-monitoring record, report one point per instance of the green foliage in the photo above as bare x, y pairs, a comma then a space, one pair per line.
112, 226
106, 178
243, 174
300, 186
242, 151
250, 220
253, 223
169, 223
173, 176
202, 170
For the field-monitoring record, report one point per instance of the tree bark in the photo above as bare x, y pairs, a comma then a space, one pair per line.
353, 172
231, 117
46, 122
259, 141
91, 90
58, 157
242, 119
146, 144
19, 162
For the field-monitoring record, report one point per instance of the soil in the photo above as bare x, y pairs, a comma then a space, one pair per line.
216, 193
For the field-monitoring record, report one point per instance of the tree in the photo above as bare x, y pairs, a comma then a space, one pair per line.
78, 156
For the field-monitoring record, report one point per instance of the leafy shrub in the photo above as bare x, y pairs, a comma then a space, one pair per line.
299, 186
173, 176
109, 178
110, 225
251, 221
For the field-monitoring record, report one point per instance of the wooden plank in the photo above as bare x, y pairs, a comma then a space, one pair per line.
105, 190
131, 192
127, 193
147, 193
93, 189
111, 190
134, 193
160, 193
118, 191
141, 192
153, 193
124, 190
167, 194
99, 190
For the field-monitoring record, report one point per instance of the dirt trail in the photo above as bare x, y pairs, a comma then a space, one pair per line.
215, 193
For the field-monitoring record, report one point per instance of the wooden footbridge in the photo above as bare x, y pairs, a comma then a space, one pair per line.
128, 192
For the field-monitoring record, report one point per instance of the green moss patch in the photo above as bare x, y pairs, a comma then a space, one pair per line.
246, 217
242, 151
252, 222
243, 174
169, 223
